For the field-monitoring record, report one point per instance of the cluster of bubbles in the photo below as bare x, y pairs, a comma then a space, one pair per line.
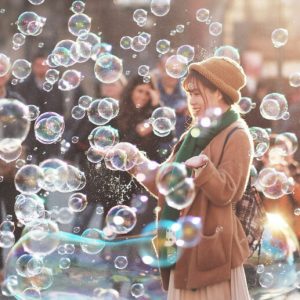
274, 106
203, 16
15, 125
280, 37
261, 140
51, 175
136, 43
30, 24
7, 238
163, 120
140, 17
173, 183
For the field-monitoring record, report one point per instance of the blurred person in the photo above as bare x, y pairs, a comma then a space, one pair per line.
8, 191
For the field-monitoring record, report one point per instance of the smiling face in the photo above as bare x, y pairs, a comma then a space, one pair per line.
141, 95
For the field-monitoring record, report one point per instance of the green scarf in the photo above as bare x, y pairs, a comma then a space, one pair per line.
190, 147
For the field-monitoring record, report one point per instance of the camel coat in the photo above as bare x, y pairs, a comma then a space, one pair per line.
223, 244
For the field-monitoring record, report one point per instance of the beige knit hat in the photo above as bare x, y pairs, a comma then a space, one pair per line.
227, 75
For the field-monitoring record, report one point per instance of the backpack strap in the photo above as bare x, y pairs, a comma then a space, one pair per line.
225, 142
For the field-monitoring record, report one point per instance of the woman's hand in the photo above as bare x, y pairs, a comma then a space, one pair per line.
197, 162
154, 95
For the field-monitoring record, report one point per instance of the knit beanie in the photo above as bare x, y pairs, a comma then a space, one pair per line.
227, 75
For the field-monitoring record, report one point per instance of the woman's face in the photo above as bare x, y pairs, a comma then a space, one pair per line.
201, 99
113, 90
141, 95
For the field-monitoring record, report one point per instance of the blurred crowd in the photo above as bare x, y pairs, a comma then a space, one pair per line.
138, 97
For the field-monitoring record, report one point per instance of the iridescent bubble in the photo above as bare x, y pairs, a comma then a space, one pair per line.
78, 7
108, 68
286, 143
108, 108
77, 202
28, 208
34, 112
169, 176
47, 86
176, 66
245, 105
19, 39
143, 70
266, 280
94, 155
140, 16
215, 28
21, 265
202, 15
121, 219
34, 266
93, 40
70, 80
278, 188
29, 23
7, 239
49, 127
228, 51
279, 37
9, 286
125, 42
94, 114
52, 76
261, 141
36, 2
274, 107
186, 51
294, 79
79, 24
163, 120
92, 242
28, 179
163, 46
64, 263
138, 44
61, 56
4, 64
81, 51
43, 280
121, 262
65, 215
85, 101
74, 181
7, 226
21, 68
77, 112
32, 294
100, 49
103, 136
137, 290
14, 124
12, 154
146, 37
160, 7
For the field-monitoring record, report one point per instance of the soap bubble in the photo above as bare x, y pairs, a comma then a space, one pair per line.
274, 106
28, 265
52, 76
186, 51
32, 294
85, 101
28, 208
138, 44
286, 143
143, 70
93, 40
78, 202
163, 46
146, 37
92, 242
14, 124
121, 262
215, 28
294, 79
61, 54
266, 280
79, 24
34, 112
160, 7
64, 263
189, 233
21, 68
77, 112
12, 155
77, 7
7, 226
81, 51
36, 2
4, 64
181, 195
7, 239
108, 108
94, 114
169, 176
28, 179
245, 105
180, 28
176, 66
125, 42
43, 280
29, 23
75, 180
70, 80
121, 219
228, 51
65, 215
137, 290
18, 39
49, 127
280, 37
261, 141
140, 16
108, 68
94, 155
163, 120
103, 136
202, 15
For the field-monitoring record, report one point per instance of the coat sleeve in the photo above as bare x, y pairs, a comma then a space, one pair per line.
221, 184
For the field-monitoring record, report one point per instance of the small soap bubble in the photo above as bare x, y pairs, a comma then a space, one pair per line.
202, 15
280, 37
121, 262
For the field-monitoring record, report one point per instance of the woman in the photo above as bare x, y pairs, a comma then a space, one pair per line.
139, 100
213, 269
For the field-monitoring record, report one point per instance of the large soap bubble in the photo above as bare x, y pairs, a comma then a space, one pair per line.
70, 80
103, 136
160, 7
274, 107
21, 68
108, 108
29, 23
163, 120
79, 24
176, 66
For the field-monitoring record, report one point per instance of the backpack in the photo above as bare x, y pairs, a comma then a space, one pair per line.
249, 210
